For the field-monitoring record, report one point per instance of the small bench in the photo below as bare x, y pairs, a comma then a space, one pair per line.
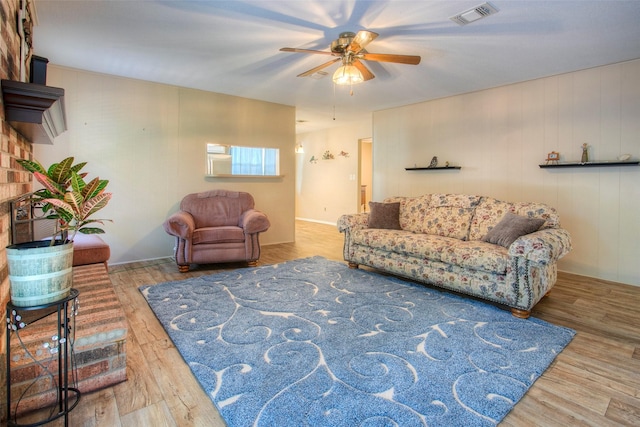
90, 249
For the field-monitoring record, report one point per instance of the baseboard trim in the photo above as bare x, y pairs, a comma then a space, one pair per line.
316, 221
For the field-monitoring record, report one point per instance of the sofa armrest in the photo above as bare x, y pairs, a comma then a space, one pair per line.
352, 222
544, 246
254, 221
180, 224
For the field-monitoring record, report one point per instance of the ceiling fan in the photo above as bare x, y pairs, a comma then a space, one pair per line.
350, 49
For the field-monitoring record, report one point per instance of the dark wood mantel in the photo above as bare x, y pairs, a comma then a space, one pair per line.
36, 111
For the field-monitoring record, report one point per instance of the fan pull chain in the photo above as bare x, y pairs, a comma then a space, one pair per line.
334, 102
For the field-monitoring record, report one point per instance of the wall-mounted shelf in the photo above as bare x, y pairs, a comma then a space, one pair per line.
427, 168
591, 164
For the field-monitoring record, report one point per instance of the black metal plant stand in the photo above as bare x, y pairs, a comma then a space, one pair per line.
19, 318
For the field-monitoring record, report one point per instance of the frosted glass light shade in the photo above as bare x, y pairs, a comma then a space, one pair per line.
347, 75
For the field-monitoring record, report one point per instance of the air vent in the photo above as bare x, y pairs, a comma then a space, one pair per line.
471, 15
319, 75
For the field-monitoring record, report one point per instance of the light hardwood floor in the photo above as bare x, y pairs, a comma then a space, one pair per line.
594, 381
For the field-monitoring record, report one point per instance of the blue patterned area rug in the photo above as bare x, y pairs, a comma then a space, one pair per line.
312, 342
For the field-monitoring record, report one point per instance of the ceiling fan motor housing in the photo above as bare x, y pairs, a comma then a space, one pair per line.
340, 44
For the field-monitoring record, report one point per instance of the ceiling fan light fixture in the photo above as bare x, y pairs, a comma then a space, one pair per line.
347, 75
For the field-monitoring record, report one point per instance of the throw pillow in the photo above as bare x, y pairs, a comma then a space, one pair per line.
384, 215
510, 227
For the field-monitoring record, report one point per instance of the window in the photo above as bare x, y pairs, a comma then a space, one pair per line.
234, 160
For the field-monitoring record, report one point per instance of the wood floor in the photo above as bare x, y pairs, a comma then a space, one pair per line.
595, 381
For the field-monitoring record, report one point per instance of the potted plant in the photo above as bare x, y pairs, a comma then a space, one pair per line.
41, 272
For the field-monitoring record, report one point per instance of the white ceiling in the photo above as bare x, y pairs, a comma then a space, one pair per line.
232, 47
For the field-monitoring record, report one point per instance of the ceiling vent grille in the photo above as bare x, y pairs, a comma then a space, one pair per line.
471, 15
319, 75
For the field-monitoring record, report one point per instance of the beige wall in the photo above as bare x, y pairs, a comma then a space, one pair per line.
500, 136
329, 188
150, 137
149, 140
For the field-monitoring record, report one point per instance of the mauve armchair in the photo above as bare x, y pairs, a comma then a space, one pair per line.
216, 226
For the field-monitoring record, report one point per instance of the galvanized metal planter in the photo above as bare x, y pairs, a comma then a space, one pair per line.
39, 273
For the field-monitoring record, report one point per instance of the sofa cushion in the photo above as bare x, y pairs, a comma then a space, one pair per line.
412, 212
229, 234
475, 255
538, 210
404, 242
510, 228
448, 221
478, 256
384, 215
454, 200
490, 211
450, 215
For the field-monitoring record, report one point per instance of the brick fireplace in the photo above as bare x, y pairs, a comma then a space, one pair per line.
13, 180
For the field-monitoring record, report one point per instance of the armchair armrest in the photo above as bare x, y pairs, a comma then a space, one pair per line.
352, 222
544, 246
254, 221
180, 224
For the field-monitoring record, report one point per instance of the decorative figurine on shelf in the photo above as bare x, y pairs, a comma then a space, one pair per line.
446, 164
553, 157
585, 153
434, 162
313, 159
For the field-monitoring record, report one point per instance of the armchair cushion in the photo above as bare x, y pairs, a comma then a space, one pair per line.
225, 234
217, 208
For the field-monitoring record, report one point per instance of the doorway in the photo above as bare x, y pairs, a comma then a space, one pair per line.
365, 173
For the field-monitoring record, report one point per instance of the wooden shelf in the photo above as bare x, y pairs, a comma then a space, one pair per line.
591, 164
36, 111
426, 168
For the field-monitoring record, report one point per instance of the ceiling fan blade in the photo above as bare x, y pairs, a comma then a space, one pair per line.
321, 52
366, 74
385, 57
319, 67
361, 40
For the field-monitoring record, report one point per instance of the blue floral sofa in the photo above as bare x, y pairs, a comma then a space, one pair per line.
449, 240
